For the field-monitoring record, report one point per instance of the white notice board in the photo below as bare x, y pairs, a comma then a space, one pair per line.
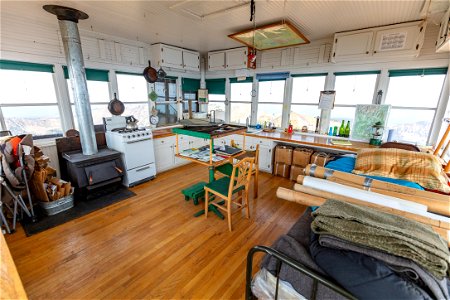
326, 100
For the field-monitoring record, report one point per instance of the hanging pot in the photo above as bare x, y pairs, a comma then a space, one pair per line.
115, 106
161, 73
150, 73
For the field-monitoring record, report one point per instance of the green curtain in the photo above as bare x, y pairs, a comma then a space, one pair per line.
25, 66
309, 75
216, 86
91, 74
418, 72
357, 73
190, 85
247, 79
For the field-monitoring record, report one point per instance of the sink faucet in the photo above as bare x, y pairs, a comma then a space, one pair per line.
214, 118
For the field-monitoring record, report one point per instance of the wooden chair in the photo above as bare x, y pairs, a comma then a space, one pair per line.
445, 148
226, 168
225, 187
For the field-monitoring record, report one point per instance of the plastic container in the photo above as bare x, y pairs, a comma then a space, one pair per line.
55, 207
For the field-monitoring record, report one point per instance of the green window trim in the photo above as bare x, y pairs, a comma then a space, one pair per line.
129, 73
25, 66
190, 84
91, 74
216, 86
235, 80
418, 72
309, 75
357, 73
171, 77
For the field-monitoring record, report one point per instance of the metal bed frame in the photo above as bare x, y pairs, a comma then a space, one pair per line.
282, 258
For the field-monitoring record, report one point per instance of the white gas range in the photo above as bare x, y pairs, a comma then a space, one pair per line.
136, 146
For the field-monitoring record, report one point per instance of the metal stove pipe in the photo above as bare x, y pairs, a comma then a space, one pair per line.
68, 19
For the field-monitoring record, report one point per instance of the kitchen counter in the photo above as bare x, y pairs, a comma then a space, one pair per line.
309, 140
162, 133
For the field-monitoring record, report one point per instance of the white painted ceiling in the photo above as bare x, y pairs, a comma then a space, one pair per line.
181, 23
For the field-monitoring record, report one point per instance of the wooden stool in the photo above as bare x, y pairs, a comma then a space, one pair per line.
194, 192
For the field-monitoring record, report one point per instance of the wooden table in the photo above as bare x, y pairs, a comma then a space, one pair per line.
211, 164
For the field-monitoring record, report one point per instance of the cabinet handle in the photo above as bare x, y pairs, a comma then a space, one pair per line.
367, 52
374, 51
162, 142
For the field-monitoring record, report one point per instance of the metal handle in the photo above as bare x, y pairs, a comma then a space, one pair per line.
131, 142
142, 169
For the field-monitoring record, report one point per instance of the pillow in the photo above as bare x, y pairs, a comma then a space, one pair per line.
420, 167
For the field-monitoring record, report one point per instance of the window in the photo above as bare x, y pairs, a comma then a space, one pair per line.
133, 93
414, 96
240, 100
98, 90
216, 95
352, 88
166, 104
270, 101
305, 100
28, 99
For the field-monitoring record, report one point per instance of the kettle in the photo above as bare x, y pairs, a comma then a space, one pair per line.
131, 122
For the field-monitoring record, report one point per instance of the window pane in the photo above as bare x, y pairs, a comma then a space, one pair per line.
99, 111
167, 113
415, 91
132, 88
26, 87
270, 113
98, 91
240, 112
342, 113
241, 92
216, 97
410, 125
304, 115
271, 91
37, 120
219, 108
355, 89
307, 89
140, 112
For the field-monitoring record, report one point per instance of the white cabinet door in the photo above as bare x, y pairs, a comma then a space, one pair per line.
216, 61
265, 158
398, 41
236, 58
164, 155
443, 39
191, 60
351, 45
171, 57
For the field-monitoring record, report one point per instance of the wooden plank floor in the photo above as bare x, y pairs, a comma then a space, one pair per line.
151, 246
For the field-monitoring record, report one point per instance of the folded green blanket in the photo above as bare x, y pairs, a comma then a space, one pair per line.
393, 234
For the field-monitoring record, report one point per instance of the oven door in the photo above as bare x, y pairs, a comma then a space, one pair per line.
138, 153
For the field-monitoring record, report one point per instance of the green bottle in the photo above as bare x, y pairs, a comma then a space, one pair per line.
342, 129
347, 129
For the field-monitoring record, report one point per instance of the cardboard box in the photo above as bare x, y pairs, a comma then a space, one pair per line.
321, 158
283, 154
295, 171
302, 156
282, 170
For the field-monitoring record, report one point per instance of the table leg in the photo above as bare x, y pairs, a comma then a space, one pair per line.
210, 206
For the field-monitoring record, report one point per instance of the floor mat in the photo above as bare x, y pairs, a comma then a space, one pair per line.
80, 209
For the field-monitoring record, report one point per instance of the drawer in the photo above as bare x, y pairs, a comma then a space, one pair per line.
164, 141
264, 142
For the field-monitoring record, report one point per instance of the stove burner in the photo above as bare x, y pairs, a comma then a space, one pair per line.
126, 130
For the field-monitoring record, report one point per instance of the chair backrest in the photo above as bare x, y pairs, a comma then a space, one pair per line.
242, 172
444, 145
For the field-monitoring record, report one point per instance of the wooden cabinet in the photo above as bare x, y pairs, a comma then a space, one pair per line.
216, 61
164, 153
236, 58
231, 59
354, 45
174, 57
191, 60
443, 39
394, 40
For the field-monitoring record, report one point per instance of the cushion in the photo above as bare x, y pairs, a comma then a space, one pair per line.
420, 167
222, 185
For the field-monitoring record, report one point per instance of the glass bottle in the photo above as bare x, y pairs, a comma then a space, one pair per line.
342, 129
347, 129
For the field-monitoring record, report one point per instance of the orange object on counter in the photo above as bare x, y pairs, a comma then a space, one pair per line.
290, 129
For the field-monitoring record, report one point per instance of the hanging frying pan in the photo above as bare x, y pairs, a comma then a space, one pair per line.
115, 106
150, 74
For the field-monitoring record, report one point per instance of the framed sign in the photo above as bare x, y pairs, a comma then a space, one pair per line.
326, 100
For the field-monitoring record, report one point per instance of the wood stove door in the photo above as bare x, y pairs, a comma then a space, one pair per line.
102, 172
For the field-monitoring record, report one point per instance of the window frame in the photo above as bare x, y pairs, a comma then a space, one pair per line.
229, 102
282, 103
